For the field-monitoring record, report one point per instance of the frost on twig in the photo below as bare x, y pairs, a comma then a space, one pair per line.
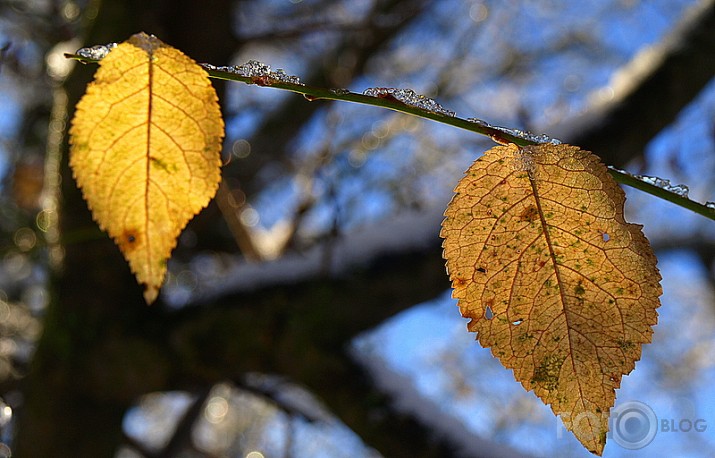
256, 69
678, 189
524, 135
97, 52
409, 97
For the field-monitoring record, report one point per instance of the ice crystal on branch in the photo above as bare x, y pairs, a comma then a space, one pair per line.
409, 97
97, 52
256, 69
524, 135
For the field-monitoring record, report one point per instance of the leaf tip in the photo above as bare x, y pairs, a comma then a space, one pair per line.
151, 292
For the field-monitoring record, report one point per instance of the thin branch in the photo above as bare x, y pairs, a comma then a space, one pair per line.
230, 209
706, 210
181, 437
387, 100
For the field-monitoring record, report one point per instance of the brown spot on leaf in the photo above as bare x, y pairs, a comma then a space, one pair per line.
129, 240
530, 213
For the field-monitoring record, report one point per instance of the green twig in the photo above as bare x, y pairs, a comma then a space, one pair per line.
635, 182
496, 133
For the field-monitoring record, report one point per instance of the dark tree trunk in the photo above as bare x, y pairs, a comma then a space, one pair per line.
97, 353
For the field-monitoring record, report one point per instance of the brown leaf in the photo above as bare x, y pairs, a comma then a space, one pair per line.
145, 150
561, 288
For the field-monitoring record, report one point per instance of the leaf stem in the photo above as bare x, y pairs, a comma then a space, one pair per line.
496, 133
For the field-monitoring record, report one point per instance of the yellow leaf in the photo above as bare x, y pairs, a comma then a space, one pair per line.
561, 288
145, 149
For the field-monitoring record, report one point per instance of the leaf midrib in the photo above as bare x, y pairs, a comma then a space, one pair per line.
559, 281
150, 88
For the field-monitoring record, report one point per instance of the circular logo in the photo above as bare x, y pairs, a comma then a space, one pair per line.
633, 425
